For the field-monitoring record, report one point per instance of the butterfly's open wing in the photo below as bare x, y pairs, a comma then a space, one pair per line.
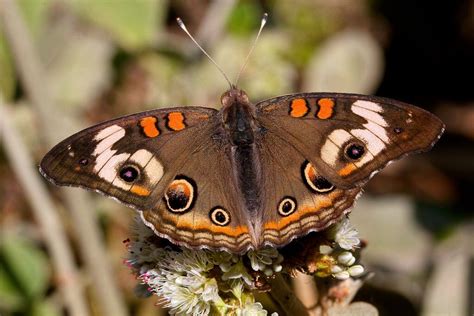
318, 149
172, 165
123, 158
349, 137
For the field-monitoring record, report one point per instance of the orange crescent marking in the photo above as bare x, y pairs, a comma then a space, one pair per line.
206, 226
347, 169
311, 173
298, 108
229, 231
327, 202
176, 121
326, 108
139, 190
149, 126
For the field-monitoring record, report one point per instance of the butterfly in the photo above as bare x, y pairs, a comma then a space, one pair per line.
248, 175
245, 176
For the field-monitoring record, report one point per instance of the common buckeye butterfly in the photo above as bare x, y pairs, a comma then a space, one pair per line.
248, 175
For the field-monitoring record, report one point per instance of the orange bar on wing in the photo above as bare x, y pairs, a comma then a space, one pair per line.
326, 108
347, 169
299, 108
139, 190
176, 121
149, 126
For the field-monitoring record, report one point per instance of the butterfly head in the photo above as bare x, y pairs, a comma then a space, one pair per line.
234, 96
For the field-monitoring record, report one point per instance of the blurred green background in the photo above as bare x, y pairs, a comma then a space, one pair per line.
99, 59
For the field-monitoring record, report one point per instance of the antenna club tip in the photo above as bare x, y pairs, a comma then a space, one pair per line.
180, 22
264, 19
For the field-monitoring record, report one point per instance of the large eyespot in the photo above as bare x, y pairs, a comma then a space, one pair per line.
219, 216
315, 182
180, 195
129, 173
354, 151
287, 206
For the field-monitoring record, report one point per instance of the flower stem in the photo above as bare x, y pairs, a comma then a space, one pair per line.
283, 294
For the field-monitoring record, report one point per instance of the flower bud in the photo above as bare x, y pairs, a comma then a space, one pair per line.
346, 258
356, 270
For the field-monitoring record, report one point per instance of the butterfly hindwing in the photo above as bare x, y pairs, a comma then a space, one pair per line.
297, 199
201, 207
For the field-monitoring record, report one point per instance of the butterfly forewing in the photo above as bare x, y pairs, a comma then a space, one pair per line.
349, 137
122, 158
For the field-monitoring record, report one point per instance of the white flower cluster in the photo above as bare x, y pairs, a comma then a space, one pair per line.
347, 238
196, 282
345, 267
201, 282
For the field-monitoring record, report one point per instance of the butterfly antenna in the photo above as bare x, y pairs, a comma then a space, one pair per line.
262, 24
183, 27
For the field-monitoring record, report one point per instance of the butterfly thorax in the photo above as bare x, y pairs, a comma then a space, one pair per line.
238, 118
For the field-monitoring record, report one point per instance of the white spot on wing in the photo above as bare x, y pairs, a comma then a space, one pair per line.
141, 157
154, 170
107, 163
375, 125
329, 153
152, 167
339, 136
102, 159
372, 106
108, 141
369, 115
107, 132
331, 148
110, 169
378, 130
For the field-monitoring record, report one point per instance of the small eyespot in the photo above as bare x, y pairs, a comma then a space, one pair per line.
355, 151
287, 206
129, 173
83, 162
398, 130
219, 216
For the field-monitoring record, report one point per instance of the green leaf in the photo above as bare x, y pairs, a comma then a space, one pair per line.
133, 23
27, 265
